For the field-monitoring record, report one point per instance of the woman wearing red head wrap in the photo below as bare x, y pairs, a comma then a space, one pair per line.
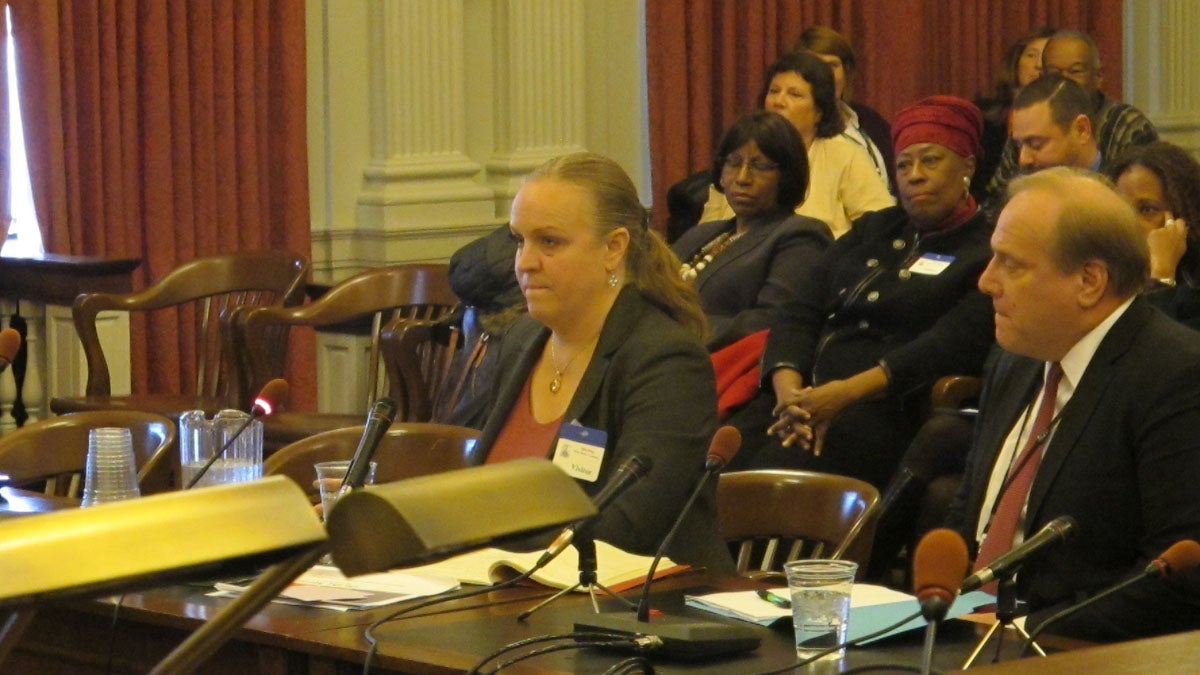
891, 307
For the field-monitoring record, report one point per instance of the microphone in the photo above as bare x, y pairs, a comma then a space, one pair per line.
683, 637
1055, 532
939, 565
270, 397
1179, 557
629, 472
379, 419
10, 344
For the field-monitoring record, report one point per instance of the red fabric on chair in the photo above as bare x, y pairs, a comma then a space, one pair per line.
737, 369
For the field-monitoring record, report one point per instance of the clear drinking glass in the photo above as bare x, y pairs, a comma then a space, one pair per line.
111, 472
820, 591
331, 475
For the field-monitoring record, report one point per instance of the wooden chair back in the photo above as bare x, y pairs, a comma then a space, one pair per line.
53, 452
406, 451
204, 292
417, 291
775, 516
418, 356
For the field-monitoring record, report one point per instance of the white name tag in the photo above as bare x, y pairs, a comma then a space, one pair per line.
580, 451
931, 264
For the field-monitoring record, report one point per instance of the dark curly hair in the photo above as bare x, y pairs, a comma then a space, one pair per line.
1179, 173
780, 142
819, 76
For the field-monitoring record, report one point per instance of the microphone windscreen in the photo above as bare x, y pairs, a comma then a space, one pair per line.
385, 407
725, 444
638, 466
10, 343
939, 563
273, 395
1181, 557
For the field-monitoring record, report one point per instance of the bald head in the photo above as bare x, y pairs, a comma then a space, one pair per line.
1073, 54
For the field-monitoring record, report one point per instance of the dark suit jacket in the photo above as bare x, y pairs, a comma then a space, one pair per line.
745, 286
1124, 461
650, 387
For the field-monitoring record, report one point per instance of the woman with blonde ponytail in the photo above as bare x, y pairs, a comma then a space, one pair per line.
609, 363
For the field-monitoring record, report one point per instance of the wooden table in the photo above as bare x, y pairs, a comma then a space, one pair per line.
76, 637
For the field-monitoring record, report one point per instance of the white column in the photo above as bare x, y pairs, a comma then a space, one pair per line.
420, 182
1160, 73
540, 104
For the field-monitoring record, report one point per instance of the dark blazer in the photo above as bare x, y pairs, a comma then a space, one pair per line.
861, 307
650, 386
746, 285
1124, 461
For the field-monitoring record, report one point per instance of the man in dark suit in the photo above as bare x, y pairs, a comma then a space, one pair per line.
1121, 448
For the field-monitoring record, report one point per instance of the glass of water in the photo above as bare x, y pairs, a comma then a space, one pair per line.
329, 481
820, 592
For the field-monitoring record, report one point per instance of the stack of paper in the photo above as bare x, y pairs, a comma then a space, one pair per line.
326, 587
614, 568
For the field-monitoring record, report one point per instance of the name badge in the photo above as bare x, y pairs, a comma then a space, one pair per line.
931, 264
580, 451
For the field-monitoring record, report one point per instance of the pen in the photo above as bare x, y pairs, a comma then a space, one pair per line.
777, 600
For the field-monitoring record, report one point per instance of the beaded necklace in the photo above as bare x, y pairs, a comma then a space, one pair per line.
692, 268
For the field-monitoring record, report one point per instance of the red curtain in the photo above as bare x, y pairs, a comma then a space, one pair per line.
166, 131
706, 58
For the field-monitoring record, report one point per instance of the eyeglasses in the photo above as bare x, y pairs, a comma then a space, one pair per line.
1072, 72
734, 164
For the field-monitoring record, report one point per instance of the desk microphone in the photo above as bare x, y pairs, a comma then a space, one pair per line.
273, 395
682, 637
1180, 557
939, 565
10, 344
379, 419
1052, 534
629, 472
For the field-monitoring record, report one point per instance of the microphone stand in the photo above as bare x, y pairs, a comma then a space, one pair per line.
1007, 611
586, 546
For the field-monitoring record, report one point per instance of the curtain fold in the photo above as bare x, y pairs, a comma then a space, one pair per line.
705, 58
167, 131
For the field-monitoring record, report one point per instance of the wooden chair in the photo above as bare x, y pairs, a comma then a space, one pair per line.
419, 291
407, 450
780, 515
53, 452
418, 363
210, 289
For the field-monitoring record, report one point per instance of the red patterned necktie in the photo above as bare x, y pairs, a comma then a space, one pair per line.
1003, 526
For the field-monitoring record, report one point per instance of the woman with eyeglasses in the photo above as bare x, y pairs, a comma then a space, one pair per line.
747, 267
890, 307
843, 184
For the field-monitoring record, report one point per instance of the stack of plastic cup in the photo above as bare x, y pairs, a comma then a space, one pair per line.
111, 473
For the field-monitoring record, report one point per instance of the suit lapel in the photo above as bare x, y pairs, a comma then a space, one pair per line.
1077, 414
1017, 389
744, 245
618, 325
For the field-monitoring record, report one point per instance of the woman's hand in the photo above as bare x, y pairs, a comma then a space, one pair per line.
792, 426
1167, 246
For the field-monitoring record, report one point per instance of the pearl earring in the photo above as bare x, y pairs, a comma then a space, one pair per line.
613, 280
